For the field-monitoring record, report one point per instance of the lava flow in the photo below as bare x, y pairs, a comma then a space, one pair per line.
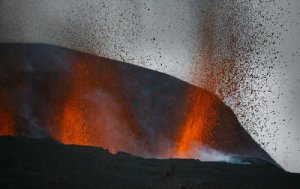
6, 123
91, 116
6, 120
74, 128
199, 120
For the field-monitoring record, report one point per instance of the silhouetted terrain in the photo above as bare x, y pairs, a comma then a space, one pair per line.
44, 163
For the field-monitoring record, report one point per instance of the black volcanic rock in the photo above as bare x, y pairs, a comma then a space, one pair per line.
36, 80
44, 163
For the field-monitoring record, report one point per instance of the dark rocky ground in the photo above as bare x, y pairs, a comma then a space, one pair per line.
45, 163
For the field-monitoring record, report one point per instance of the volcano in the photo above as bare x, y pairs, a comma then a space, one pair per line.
78, 98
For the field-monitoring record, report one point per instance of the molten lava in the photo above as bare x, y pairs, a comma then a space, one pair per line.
91, 116
200, 119
74, 128
6, 122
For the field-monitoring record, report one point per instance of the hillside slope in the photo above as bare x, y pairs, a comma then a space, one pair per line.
44, 163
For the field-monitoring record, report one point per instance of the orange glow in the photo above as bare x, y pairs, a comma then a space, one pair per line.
91, 115
73, 126
199, 120
74, 129
6, 123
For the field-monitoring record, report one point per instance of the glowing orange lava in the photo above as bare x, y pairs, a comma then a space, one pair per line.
92, 116
200, 118
6, 123
74, 128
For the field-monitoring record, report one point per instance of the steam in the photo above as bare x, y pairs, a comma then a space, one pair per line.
209, 154
31, 122
115, 132
30, 126
205, 153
